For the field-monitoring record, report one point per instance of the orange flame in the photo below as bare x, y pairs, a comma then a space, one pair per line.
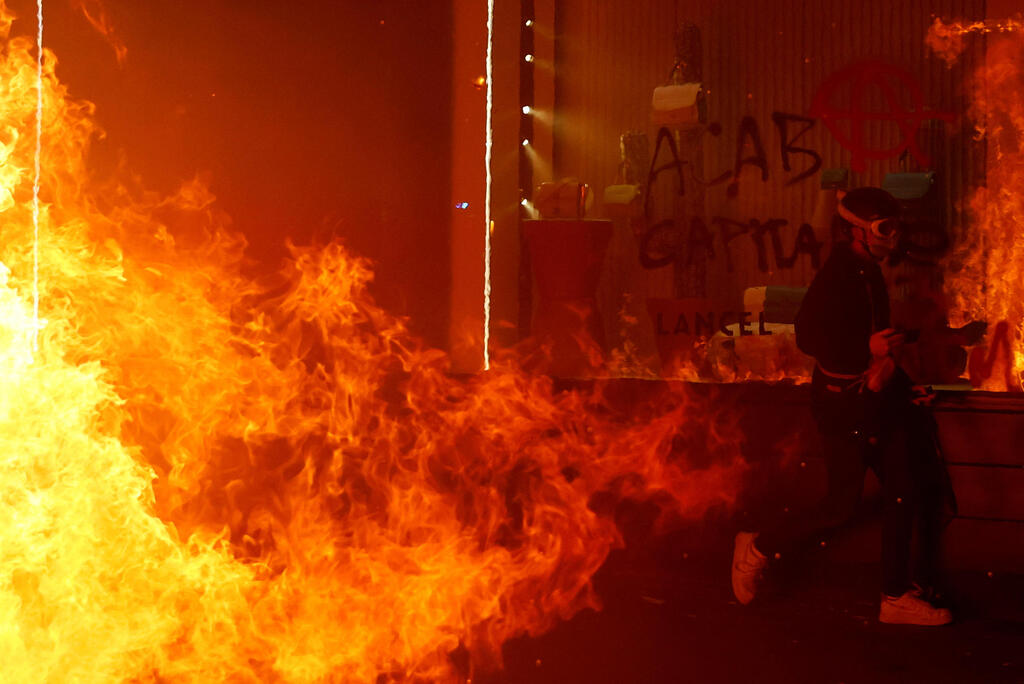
207, 478
96, 14
948, 39
985, 274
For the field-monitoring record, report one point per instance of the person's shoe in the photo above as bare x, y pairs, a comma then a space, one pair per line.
931, 594
911, 609
747, 565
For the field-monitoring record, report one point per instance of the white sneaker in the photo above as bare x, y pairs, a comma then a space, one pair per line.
747, 565
910, 609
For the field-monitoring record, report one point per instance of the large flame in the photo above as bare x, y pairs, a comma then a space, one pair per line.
986, 270
206, 478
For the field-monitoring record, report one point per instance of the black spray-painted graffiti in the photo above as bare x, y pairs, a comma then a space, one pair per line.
699, 242
663, 243
841, 104
749, 134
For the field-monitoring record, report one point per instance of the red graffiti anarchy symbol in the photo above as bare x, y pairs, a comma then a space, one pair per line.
891, 82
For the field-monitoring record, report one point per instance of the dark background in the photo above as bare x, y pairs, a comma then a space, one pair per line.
310, 118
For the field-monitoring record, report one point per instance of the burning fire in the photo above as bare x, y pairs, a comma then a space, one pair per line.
986, 274
208, 478
948, 40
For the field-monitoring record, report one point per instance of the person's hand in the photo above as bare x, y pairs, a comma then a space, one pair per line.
922, 396
885, 342
879, 373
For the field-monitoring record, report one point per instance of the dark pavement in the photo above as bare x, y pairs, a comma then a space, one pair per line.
670, 616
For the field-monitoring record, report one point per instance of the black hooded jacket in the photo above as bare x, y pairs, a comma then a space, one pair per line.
846, 303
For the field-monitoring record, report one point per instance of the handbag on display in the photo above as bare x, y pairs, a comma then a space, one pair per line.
675, 105
622, 200
567, 198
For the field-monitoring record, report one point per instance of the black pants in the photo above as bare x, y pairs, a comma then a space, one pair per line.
887, 433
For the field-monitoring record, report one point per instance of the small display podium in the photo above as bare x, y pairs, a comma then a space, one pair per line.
566, 256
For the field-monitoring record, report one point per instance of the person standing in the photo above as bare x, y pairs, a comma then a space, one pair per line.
869, 414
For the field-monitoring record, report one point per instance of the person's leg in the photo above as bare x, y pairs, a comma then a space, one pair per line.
844, 468
932, 521
844, 464
899, 507
900, 456
937, 504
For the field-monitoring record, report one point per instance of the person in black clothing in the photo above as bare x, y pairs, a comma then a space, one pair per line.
869, 414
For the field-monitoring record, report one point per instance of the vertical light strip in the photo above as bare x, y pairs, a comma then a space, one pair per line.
38, 173
488, 224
